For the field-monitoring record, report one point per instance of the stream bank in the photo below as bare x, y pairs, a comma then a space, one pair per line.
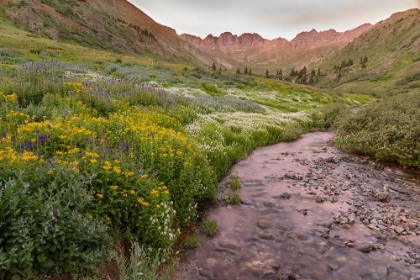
310, 211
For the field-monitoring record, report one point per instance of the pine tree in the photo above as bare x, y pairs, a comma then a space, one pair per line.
266, 73
238, 71
246, 71
249, 72
311, 77
292, 72
365, 60
319, 72
213, 67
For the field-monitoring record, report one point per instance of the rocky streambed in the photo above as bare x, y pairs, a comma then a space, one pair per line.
309, 211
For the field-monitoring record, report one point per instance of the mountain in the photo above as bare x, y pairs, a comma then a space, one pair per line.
247, 46
113, 25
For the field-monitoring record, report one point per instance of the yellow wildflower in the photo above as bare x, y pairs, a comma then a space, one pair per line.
113, 187
154, 192
117, 169
100, 195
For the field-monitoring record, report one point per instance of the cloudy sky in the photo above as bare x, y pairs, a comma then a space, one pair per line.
270, 18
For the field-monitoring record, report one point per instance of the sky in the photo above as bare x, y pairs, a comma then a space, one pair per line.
269, 18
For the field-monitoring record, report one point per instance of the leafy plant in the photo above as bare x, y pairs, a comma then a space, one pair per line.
191, 242
209, 227
145, 263
48, 228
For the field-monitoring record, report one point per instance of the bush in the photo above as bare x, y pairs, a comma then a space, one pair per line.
389, 130
47, 228
326, 116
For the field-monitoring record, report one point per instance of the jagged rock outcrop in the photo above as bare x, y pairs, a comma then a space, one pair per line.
249, 45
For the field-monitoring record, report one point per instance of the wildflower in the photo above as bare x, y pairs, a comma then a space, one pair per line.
144, 176
154, 192
157, 206
132, 192
50, 172
113, 187
128, 174
100, 195
142, 202
93, 161
117, 169
107, 166
107, 218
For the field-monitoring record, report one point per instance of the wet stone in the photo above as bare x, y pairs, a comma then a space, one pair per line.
363, 247
206, 273
293, 176
399, 229
263, 224
333, 266
285, 195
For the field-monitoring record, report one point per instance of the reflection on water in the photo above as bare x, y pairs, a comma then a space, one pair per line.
309, 211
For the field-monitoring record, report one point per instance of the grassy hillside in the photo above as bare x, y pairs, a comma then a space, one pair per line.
113, 25
95, 144
392, 48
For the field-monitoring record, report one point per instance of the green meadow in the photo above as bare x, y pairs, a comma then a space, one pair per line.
98, 149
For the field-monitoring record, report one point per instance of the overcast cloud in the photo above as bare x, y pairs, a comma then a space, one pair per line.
269, 18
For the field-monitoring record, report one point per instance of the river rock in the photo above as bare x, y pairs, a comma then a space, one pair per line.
399, 229
206, 273
285, 195
363, 247
383, 196
294, 176
263, 224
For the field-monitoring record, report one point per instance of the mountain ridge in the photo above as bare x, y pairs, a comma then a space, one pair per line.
227, 42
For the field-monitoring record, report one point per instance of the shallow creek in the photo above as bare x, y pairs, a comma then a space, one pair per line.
309, 211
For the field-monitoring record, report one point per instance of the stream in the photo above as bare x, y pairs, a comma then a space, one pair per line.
310, 211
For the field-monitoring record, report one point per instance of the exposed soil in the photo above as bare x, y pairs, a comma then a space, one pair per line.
309, 211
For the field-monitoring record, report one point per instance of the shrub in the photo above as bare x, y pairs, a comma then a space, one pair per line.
327, 115
47, 227
145, 263
389, 130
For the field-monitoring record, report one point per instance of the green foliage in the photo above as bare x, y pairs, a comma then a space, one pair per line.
45, 226
232, 194
191, 242
209, 227
145, 263
234, 183
232, 197
327, 116
388, 130
212, 89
